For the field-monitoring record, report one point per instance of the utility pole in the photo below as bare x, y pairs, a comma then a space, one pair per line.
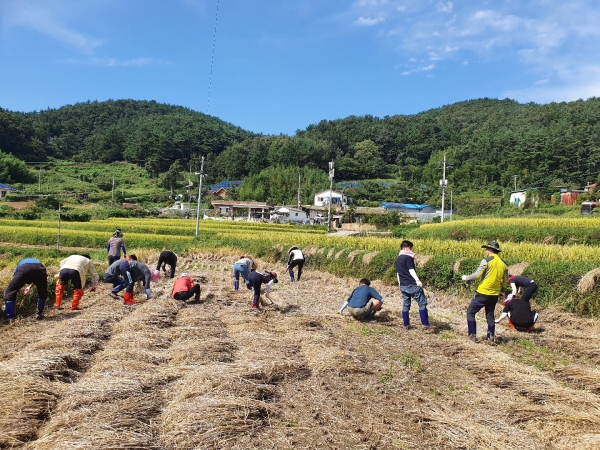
40, 182
450, 206
113, 190
201, 174
443, 184
298, 190
331, 174
515, 177
58, 235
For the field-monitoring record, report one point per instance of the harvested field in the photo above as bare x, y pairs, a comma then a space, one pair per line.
168, 375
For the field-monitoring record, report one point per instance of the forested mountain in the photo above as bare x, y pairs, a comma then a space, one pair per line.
149, 133
487, 142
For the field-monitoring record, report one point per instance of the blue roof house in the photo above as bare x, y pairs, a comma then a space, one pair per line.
5, 189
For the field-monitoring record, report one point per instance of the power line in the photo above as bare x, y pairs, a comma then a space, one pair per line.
212, 60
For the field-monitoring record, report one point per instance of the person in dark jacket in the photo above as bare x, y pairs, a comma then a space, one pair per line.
519, 313
256, 281
113, 275
133, 271
364, 301
28, 271
410, 285
296, 259
527, 285
167, 257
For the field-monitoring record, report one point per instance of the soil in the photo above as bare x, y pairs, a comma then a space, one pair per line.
170, 374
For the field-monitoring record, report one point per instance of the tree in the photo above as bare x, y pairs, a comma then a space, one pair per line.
171, 179
13, 170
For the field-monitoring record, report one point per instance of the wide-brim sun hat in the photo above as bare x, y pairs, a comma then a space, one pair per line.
493, 245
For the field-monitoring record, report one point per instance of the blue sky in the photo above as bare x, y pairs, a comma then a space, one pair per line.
281, 65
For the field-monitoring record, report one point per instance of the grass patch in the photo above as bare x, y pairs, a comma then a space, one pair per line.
528, 352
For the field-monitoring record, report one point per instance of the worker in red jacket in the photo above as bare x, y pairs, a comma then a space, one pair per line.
184, 288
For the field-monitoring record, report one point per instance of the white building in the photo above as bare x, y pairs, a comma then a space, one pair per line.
288, 214
336, 199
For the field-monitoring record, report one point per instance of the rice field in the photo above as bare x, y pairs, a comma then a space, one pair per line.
164, 374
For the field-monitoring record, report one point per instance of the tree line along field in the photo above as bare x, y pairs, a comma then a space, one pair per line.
167, 375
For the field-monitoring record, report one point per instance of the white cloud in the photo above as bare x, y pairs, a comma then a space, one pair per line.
369, 21
444, 7
419, 69
569, 86
47, 18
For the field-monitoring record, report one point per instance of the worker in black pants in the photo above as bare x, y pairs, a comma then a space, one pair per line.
28, 271
167, 257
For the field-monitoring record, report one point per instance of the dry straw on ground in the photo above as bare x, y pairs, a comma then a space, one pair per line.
167, 375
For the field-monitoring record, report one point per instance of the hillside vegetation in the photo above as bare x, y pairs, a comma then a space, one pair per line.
488, 142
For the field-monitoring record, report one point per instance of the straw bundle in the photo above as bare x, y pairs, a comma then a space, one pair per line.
518, 269
456, 266
588, 281
368, 257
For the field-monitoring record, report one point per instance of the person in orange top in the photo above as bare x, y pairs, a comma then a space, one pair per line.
184, 288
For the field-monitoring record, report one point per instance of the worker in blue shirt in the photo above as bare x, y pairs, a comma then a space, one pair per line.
28, 271
364, 301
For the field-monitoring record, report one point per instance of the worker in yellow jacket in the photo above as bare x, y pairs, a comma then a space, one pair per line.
75, 268
493, 275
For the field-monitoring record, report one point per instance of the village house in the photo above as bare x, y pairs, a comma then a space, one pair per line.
249, 210
5, 189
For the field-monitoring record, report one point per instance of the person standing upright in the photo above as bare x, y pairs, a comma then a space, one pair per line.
410, 285
296, 259
114, 247
493, 275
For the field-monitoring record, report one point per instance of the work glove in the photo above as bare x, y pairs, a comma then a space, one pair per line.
419, 284
148, 294
497, 320
464, 278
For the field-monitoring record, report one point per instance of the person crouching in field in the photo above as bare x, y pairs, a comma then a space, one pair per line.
364, 301
167, 257
184, 288
410, 285
256, 280
28, 271
75, 269
133, 271
493, 273
113, 275
519, 313
528, 286
243, 267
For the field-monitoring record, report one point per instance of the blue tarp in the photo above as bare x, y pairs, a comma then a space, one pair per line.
391, 205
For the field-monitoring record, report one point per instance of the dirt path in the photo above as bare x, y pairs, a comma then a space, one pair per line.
163, 374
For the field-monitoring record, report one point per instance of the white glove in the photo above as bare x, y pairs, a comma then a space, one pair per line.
497, 320
148, 294
464, 278
419, 284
